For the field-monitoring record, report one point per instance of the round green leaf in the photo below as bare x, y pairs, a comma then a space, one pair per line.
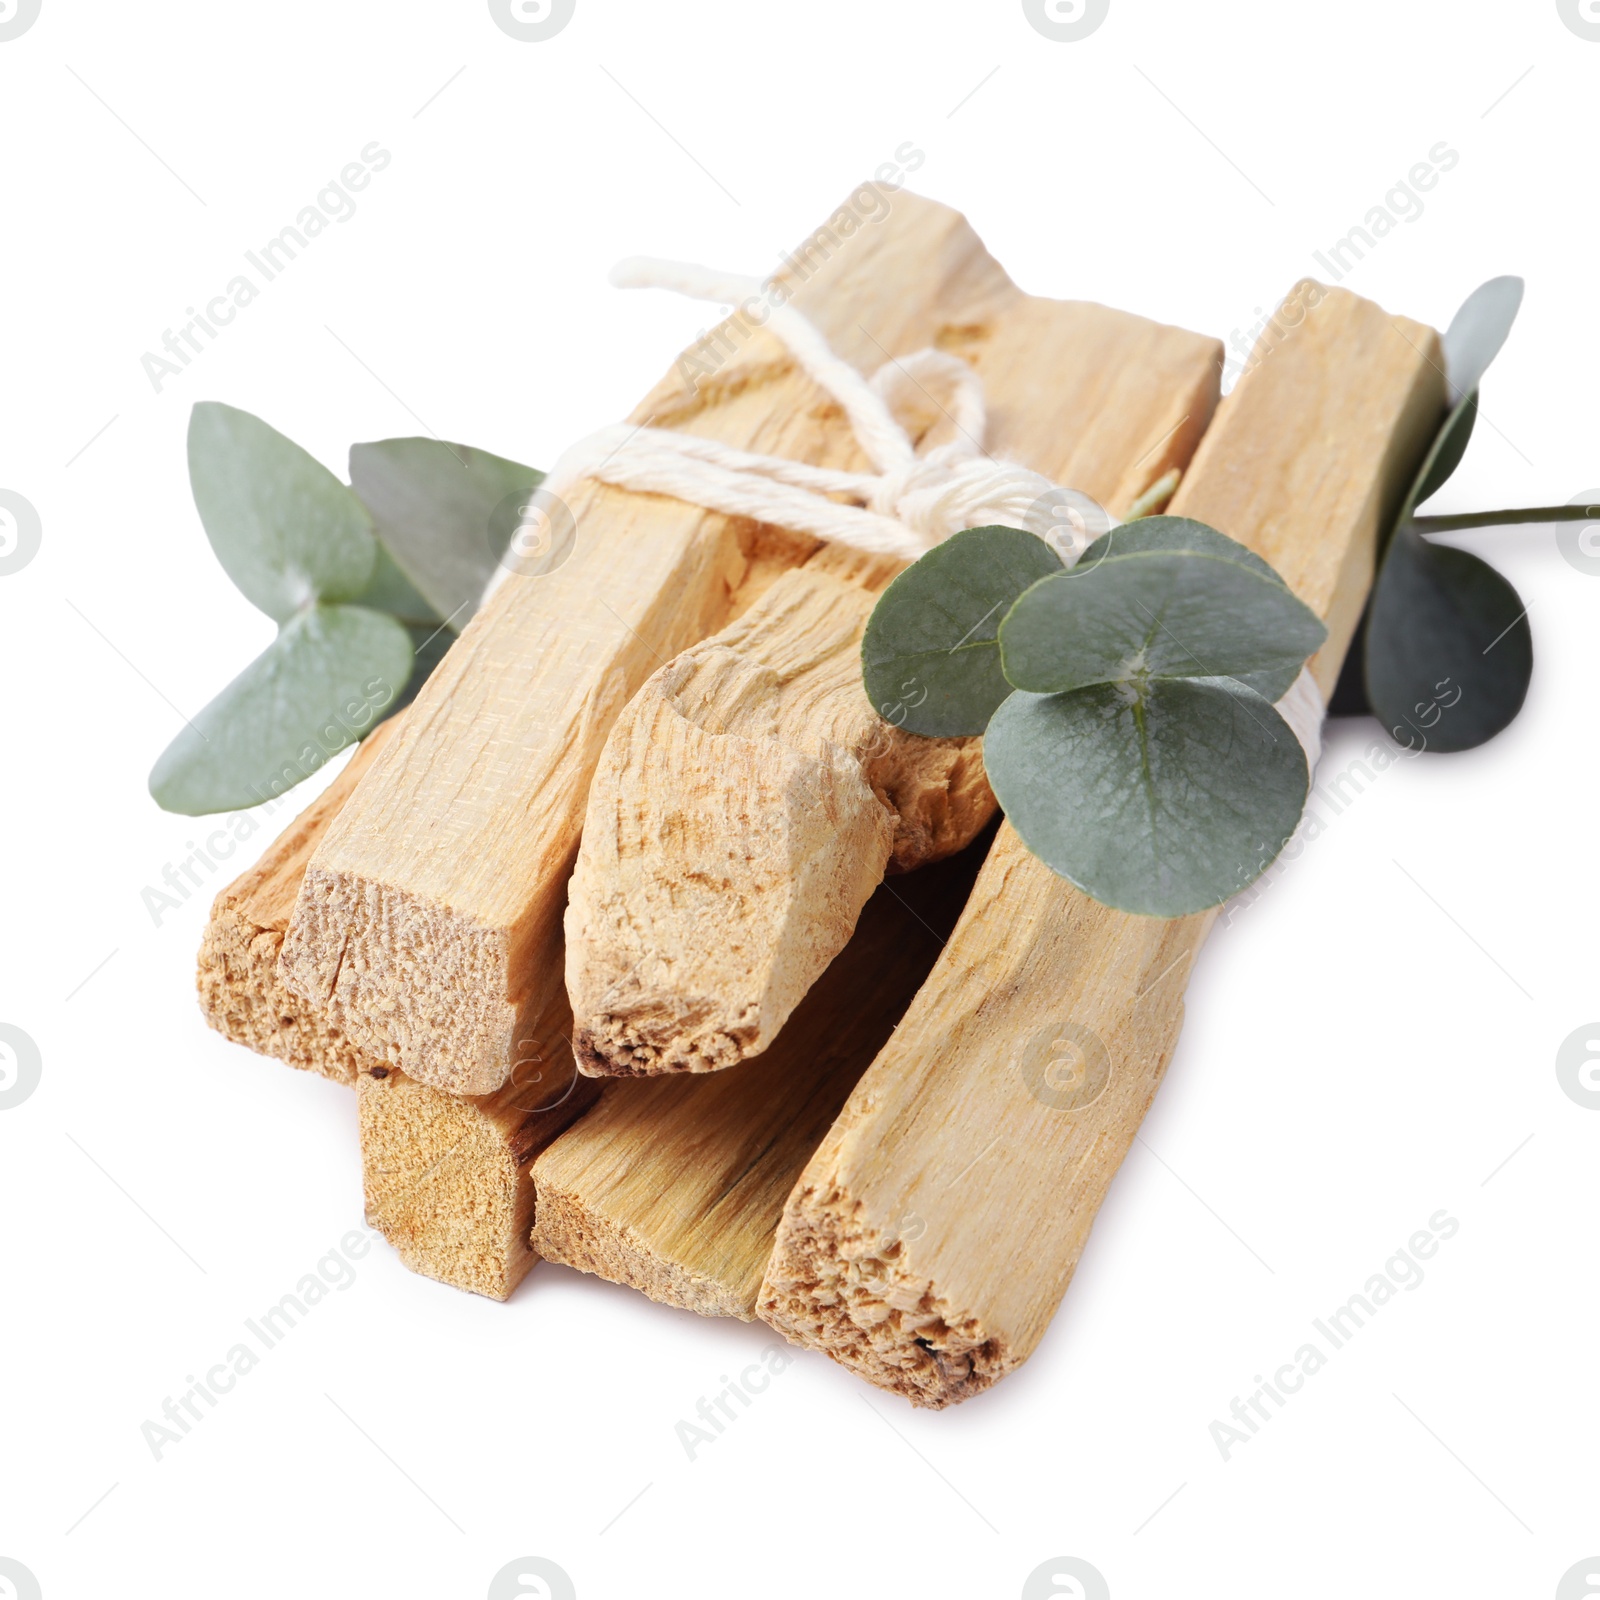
1449, 653
1185, 533
389, 589
1436, 614
1477, 331
1162, 803
324, 682
1445, 454
429, 646
1156, 613
929, 658
284, 528
1173, 533
1349, 697
1471, 342
435, 507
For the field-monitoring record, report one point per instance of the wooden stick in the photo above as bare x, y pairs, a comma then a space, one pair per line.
241, 995
675, 1186
750, 798
448, 1178
973, 1119
430, 918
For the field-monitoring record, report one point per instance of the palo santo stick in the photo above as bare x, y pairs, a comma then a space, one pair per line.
750, 798
447, 1178
430, 918
675, 1186
241, 995
970, 1119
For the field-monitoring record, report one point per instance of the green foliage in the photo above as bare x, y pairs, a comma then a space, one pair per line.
325, 681
1184, 533
284, 528
1129, 734
1127, 704
1166, 602
1478, 331
1445, 654
1449, 652
1444, 455
1162, 798
931, 655
368, 587
445, 511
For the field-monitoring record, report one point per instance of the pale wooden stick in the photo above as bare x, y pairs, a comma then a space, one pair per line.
750, 799
969, 1120
430, 918
675, 1186
237, 977
448, 1178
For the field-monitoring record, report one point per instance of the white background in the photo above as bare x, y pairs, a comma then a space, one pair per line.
1372, 1041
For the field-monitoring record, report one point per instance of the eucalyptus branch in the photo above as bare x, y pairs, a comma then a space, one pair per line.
367, 581
1156, 496
1504, 519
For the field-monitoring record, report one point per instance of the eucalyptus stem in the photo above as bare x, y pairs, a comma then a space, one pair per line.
1500, 519
1156, 496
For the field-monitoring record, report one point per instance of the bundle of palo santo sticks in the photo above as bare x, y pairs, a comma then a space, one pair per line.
651, 948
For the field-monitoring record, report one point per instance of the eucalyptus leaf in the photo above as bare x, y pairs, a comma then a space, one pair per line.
929, 656
1478, 331
1173, 533
1349, 697
389, 589
1161, 803
429, 646
1157, 613
1446, 653
1474, 338
284, 528
1185, 533
1449, 653
438, 508
324, 682
1445, 454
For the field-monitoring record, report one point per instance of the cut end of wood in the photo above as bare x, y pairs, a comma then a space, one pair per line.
838, 1284
242, 994
676, 1187
712, 850
1048, 1022
643, 1044
750, 799
935, 789
440, 1185
243, 999
446, 876
424, 989
447, 1178
747, 804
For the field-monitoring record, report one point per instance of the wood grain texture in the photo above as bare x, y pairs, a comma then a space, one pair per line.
447, 1178
981, 1115
429, 921
675, 1186
241, 995
750, 798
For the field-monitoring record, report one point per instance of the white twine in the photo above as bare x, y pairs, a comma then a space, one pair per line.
1302, 708
910, 503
